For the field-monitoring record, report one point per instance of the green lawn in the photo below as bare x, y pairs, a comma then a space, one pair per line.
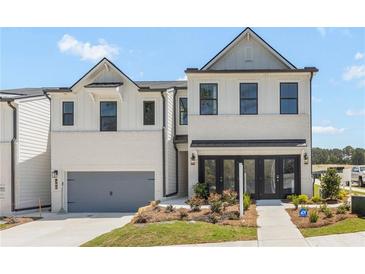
345, 226
174, 233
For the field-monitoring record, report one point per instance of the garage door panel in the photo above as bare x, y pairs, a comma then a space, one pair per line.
109, 191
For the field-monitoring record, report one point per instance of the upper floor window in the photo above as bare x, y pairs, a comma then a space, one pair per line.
288, 98
248, 98
183, 111
208, 99
68, 113
148, 113
108, 116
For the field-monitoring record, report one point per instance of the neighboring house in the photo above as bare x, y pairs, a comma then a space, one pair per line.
24, 150
118, 144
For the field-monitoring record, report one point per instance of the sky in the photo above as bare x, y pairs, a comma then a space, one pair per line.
51, 57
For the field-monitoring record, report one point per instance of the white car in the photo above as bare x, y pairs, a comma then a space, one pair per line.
358, 175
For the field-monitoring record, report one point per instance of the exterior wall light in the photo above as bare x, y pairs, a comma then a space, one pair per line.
54, 173
305, 157
192, 159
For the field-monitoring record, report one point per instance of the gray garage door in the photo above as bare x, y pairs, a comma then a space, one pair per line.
109, 191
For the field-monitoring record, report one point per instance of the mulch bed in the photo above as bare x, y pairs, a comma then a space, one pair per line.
14, 221
228, 216
303, 222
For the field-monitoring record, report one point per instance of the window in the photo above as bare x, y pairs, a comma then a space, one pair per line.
288, 98
68, 113
208, 99
108, 116
183, 111
248, 98
148, 113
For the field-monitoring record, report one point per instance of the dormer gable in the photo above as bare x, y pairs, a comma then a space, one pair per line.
248, 51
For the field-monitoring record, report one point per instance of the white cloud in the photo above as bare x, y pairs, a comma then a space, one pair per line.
327, 130
359, 56
85, 50
354, 72
322, 31
351, 112
183, 78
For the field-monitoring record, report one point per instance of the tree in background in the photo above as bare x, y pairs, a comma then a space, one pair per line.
347, 155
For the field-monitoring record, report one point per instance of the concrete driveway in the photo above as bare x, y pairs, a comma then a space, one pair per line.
72, 229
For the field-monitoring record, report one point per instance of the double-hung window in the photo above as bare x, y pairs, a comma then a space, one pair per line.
208, 99
68, 113
108, 116
183, 111
288, 98
148, 113
248, 98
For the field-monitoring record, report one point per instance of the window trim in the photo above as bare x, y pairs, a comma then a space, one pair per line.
73, 113
116, 116
291, 98
154, 112
257, 98
200, 100
180, 122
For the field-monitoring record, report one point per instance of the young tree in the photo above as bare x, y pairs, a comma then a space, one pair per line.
330, 184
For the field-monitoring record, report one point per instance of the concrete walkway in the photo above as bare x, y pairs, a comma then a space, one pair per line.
275, 227
72, 229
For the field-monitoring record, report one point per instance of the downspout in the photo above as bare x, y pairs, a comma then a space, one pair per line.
163, 145
12, 147
310, 106
176, 150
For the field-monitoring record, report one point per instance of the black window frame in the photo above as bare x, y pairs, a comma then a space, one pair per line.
214, 99
68, 113
154, 112
248, 99
290, 98
181, 123
116, 116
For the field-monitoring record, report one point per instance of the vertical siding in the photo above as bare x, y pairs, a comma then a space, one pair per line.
33, 153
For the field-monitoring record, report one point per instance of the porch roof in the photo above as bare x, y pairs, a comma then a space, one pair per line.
250, 143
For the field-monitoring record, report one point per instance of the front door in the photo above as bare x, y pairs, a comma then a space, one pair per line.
269, 179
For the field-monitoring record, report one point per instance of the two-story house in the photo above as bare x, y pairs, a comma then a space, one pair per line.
117, 144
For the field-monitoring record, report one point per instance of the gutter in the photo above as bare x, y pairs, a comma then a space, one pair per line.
13, 140
176, 150
311, 147
163, 145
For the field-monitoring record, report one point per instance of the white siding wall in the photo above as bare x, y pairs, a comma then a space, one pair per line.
33, 157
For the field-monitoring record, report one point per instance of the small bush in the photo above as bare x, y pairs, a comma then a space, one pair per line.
341, 209
295, 202
330, 184
215, 202
183, 213
316, 199
169, 209
141, 219
347, 206
201, 190
313, 216
195, 203
342, 194
303, 199
246, 201
230, 196
155, 203
328, 212
290, 197
212, 218
235, 215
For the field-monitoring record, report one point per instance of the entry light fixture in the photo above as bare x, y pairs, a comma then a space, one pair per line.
192, 159
305, 157
54, 173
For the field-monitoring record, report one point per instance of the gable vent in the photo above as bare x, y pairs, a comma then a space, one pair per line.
248, 54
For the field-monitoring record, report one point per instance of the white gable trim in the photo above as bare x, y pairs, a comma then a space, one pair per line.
250, 33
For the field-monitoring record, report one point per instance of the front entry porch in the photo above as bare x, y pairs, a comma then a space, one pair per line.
267, 177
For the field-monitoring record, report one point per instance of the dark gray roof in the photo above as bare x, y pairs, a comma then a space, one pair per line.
23, 91
161, 84
181, 139
249, 143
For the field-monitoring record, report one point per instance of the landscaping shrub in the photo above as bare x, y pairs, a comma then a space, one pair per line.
290, 197
155, 203
316, 199
229, 196
313, 216
169, 209
195, 203
246, 201
303, 199
215, 202
183, 213
141, 219
341, 209
323, 207
347, 206
330, 184
342, 194
295, 202
327, 212
201, 190
212, 218
235, 215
